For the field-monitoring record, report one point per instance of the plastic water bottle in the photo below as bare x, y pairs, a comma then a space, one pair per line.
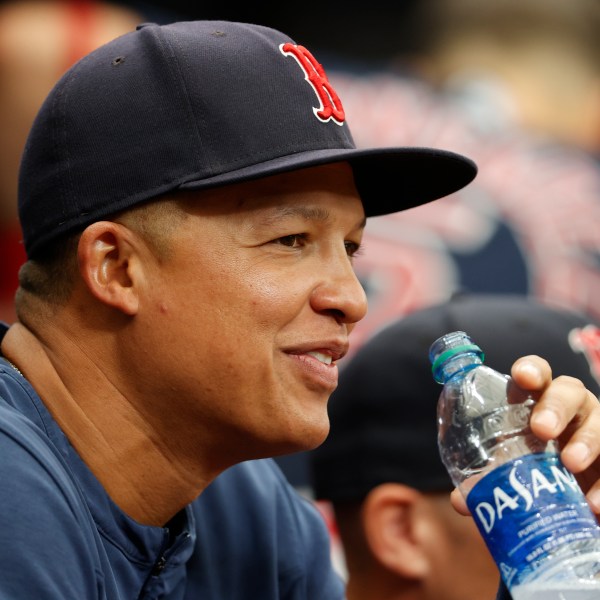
528, 507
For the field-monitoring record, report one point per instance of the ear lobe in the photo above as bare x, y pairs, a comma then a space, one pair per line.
390, 523
107, 265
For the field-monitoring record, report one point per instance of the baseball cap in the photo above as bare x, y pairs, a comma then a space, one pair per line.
383, 413
199, 104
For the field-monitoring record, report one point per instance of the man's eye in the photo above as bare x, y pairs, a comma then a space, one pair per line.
352, 248
292, 241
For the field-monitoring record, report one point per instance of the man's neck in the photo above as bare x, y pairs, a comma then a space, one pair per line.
141, 474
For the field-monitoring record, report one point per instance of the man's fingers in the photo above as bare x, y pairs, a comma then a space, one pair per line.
531, 372
562, 405
583, 446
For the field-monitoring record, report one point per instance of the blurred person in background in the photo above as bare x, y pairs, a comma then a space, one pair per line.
395, 533
530, 63
39, 40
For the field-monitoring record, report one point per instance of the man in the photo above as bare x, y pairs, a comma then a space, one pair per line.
191, 201
380, 466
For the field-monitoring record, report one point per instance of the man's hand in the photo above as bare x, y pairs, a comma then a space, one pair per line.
567, 411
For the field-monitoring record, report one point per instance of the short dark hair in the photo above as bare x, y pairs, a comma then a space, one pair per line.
51, 275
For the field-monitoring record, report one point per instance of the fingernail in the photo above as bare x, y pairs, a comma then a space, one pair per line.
530, 369
547, 418
579, 451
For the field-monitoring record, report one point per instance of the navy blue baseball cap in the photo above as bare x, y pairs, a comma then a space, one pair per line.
199, 104
384, 412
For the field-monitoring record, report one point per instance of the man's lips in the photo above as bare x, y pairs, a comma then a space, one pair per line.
326, 352
318, 362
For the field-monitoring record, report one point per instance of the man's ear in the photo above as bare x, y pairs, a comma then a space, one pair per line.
109, 265
390, 522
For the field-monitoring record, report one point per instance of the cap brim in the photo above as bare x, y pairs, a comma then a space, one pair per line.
388, 179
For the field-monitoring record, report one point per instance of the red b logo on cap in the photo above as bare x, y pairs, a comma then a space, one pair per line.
331, 106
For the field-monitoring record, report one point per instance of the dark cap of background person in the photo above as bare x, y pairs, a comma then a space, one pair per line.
201, 104
383, 413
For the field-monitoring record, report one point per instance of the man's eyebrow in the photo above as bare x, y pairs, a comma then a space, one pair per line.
308, 213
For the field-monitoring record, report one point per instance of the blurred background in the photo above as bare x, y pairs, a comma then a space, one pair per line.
513, 84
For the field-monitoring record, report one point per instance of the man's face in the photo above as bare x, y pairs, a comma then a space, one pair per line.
251, 310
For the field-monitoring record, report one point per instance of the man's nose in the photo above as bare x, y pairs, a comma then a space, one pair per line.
340, 293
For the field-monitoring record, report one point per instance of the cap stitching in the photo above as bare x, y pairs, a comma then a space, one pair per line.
182, 88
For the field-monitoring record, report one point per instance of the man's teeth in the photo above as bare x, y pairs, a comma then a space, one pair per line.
324, 358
